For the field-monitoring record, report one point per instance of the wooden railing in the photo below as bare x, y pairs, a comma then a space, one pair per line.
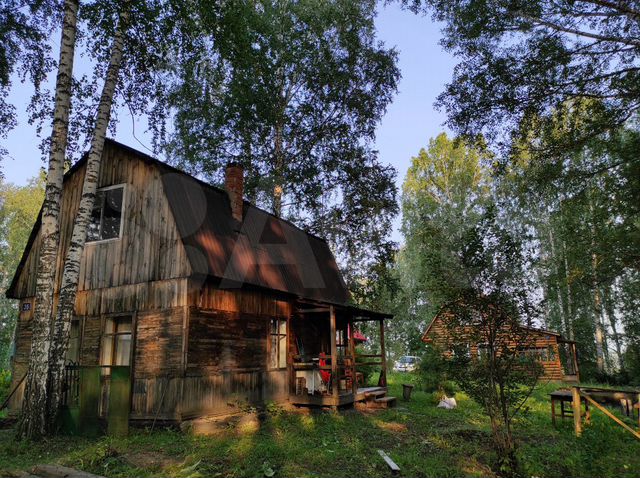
71, 385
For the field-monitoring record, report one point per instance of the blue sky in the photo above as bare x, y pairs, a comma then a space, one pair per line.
407, 126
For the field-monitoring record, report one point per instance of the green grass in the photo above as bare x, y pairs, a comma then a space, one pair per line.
422, 439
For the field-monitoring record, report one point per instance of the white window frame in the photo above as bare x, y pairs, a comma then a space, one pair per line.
124, 205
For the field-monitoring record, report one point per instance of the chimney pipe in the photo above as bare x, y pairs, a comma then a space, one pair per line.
234, 184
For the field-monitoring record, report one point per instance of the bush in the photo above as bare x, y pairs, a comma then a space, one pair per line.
433, 373
5, 384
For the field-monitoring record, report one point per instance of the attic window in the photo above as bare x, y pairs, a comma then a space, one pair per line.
106, 217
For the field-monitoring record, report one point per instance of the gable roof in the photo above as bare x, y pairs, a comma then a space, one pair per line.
263, 251
443, 310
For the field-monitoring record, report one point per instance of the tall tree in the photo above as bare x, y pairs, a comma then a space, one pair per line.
71, 271
525, 59
443, 197
293, 91
33, 418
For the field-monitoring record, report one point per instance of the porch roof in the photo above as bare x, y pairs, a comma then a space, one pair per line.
358, 314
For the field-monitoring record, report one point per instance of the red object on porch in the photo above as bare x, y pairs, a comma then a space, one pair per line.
324, 374
358, 337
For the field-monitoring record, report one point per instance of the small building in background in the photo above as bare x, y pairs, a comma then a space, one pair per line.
556, 355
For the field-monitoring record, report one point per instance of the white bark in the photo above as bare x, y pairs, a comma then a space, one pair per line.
70, 276
33, 419
569, 298
597, 299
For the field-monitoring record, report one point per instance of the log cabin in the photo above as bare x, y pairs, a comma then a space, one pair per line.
211, 302
556, 355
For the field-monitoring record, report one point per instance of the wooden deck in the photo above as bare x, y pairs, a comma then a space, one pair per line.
322, 400
344, 398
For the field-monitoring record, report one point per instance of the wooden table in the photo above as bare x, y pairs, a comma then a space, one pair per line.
563, 396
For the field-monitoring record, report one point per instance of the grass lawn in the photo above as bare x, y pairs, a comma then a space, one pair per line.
422, 439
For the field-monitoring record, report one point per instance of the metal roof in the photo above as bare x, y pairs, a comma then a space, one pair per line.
262, 250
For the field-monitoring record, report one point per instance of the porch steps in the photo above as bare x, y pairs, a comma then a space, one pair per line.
375, 394
376, 397
385, 402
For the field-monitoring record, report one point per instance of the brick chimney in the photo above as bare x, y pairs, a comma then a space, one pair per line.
234, 184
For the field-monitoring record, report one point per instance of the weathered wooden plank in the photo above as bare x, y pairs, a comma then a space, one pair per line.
138, 255
392, 465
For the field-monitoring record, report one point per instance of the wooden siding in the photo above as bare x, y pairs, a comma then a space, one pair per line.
158, 345
149, 249
21, 356
231, 391
226, 341
438, 335
206, 296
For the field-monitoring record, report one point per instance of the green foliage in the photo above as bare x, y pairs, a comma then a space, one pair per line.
25, 27
293, 91
19, 207
5, 384
443, 196
522, 61
433, 373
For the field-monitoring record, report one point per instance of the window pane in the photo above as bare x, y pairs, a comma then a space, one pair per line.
283, 327
274, 326
107, 348
111, 213
123, 349
282, 359
93, 229
273, 351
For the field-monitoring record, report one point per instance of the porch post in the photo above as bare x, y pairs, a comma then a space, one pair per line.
335, 383
352, 352
382, 381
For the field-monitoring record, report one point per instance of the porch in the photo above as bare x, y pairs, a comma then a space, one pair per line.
323, 367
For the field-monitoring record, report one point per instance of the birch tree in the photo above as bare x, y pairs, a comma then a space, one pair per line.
69, 286
33, 419
293, 91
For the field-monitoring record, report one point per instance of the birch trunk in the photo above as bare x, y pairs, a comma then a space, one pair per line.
33, 418
279, 167
69, 286
563, 312
597, 299
569, 298
611, 314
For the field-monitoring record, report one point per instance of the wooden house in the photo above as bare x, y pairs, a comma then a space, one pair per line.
211, 301
556, 355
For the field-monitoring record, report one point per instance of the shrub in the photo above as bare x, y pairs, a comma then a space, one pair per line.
432, 373
5, 384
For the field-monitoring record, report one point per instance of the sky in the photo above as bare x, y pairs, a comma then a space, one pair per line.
408, 124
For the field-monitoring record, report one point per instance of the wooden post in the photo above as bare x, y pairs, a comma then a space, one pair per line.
382, 381
577, 411
291, 378
352, 352
334, 354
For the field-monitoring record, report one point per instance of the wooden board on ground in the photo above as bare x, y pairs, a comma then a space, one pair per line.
392, 465
56, 471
